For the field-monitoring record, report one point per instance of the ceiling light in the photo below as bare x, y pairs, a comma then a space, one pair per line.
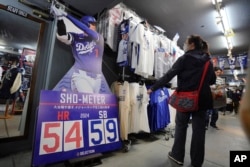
229, 43
2, 47
216, 1
223, 24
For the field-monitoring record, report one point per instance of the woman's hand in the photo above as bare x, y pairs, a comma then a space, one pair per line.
149, 91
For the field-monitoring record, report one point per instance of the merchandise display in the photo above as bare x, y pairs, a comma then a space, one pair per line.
107, 80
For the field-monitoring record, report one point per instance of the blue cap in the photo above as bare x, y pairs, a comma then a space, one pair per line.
87, 20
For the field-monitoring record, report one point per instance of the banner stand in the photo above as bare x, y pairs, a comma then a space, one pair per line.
75, 128
90, 160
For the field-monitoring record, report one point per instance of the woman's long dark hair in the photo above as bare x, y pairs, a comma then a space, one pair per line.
205, 47
197, 40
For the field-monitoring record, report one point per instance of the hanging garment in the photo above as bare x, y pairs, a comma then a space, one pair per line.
139, 100
11, 82
158, 110
121, 90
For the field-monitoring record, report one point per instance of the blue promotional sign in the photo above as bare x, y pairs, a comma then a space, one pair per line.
73, 125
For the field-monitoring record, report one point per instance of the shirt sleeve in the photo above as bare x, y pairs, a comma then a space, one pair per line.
176, 68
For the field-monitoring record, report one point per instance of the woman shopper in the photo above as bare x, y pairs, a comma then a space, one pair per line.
188, 69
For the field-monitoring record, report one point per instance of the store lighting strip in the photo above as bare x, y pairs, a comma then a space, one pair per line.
216, 1
223, 21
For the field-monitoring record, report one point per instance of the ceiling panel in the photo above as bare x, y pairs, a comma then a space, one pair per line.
91, 7
180, 16
198, 17
186, 17
18, 32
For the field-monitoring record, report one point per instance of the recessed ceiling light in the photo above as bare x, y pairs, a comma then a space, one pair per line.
2, 47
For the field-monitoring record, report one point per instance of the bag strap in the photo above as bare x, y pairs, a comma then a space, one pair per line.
203, 75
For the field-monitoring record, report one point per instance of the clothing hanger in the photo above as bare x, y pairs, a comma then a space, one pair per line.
143, 22
121, 76
141, 82
120, 79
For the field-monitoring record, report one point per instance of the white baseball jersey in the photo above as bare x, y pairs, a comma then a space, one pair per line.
115, 17
162, 62
145, 52
122, 56
139, 100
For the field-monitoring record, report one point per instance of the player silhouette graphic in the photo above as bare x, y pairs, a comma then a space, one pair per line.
85, 75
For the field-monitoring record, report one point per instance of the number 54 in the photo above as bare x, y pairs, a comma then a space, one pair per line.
52, 139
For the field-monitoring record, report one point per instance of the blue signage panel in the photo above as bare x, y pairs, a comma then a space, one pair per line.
73, 125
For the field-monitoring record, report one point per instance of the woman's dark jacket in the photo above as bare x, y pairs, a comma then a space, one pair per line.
188, 69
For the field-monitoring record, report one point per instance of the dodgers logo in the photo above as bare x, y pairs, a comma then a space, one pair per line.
87, 47
162, 98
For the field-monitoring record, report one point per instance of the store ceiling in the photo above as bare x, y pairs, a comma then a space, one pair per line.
17, 32
179, 16
185, 17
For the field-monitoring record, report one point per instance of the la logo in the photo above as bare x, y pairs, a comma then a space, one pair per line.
240, 158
